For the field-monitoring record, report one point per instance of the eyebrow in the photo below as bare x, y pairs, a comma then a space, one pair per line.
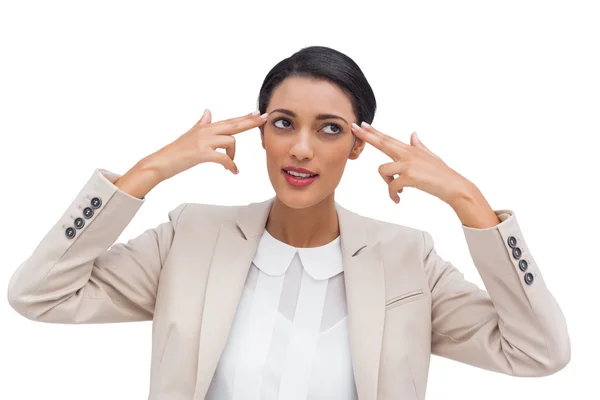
319, 117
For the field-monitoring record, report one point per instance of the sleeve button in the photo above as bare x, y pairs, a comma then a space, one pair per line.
516, 252
70, 232
523, 265
96, 202
512, 241
79, 222
88, 212
529, 278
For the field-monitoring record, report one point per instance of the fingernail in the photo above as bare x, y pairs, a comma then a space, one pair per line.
355, 126
264, 115
255, 113
365, 125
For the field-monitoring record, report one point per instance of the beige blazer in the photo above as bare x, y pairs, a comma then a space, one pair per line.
404, 301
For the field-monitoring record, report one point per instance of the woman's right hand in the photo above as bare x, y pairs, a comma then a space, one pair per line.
199, 144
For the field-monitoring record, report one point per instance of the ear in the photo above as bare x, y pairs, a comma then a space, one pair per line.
357, 148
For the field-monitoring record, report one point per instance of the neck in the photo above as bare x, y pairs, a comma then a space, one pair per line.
313, 226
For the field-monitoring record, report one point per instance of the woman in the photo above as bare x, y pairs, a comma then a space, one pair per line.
297, 297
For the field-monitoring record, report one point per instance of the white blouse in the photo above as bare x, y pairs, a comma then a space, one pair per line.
289, 338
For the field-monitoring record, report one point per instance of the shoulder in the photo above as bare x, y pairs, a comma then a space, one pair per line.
392, 232
215, 213
387, 231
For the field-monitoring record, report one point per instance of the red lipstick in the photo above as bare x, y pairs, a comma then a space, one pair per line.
299, 181
301, 170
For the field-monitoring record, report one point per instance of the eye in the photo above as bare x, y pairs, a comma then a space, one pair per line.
286, 124
338, 129
281, 120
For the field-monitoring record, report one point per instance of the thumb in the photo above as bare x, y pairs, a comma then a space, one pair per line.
415, 141
206, 117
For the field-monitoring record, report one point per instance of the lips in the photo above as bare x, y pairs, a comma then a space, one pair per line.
298, 181
300, 170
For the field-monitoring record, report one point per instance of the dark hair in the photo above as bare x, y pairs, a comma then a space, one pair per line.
325, 63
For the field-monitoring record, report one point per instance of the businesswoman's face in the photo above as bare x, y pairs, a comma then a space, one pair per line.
308, 127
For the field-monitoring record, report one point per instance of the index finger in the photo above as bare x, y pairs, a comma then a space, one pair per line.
239, 124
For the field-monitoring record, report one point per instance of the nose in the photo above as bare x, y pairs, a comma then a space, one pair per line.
301, 146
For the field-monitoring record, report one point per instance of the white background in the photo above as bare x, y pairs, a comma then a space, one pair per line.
507, 93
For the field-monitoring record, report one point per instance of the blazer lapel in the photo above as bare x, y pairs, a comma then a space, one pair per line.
365, 294
236, 245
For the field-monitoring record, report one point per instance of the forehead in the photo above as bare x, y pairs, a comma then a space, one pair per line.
310, 96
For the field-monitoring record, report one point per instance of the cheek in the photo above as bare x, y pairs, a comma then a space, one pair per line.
267, 140
334, 159
275, 151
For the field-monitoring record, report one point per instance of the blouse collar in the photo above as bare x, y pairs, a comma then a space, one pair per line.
274, 257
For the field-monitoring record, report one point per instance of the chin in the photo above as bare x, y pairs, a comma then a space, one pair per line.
299, 198
296, 201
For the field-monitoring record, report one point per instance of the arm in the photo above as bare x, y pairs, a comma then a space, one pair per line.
76, 277
514, 327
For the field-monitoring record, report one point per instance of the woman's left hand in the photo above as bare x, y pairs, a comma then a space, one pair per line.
415, 165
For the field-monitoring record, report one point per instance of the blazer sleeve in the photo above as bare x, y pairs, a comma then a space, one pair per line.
75, 276
514, 327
